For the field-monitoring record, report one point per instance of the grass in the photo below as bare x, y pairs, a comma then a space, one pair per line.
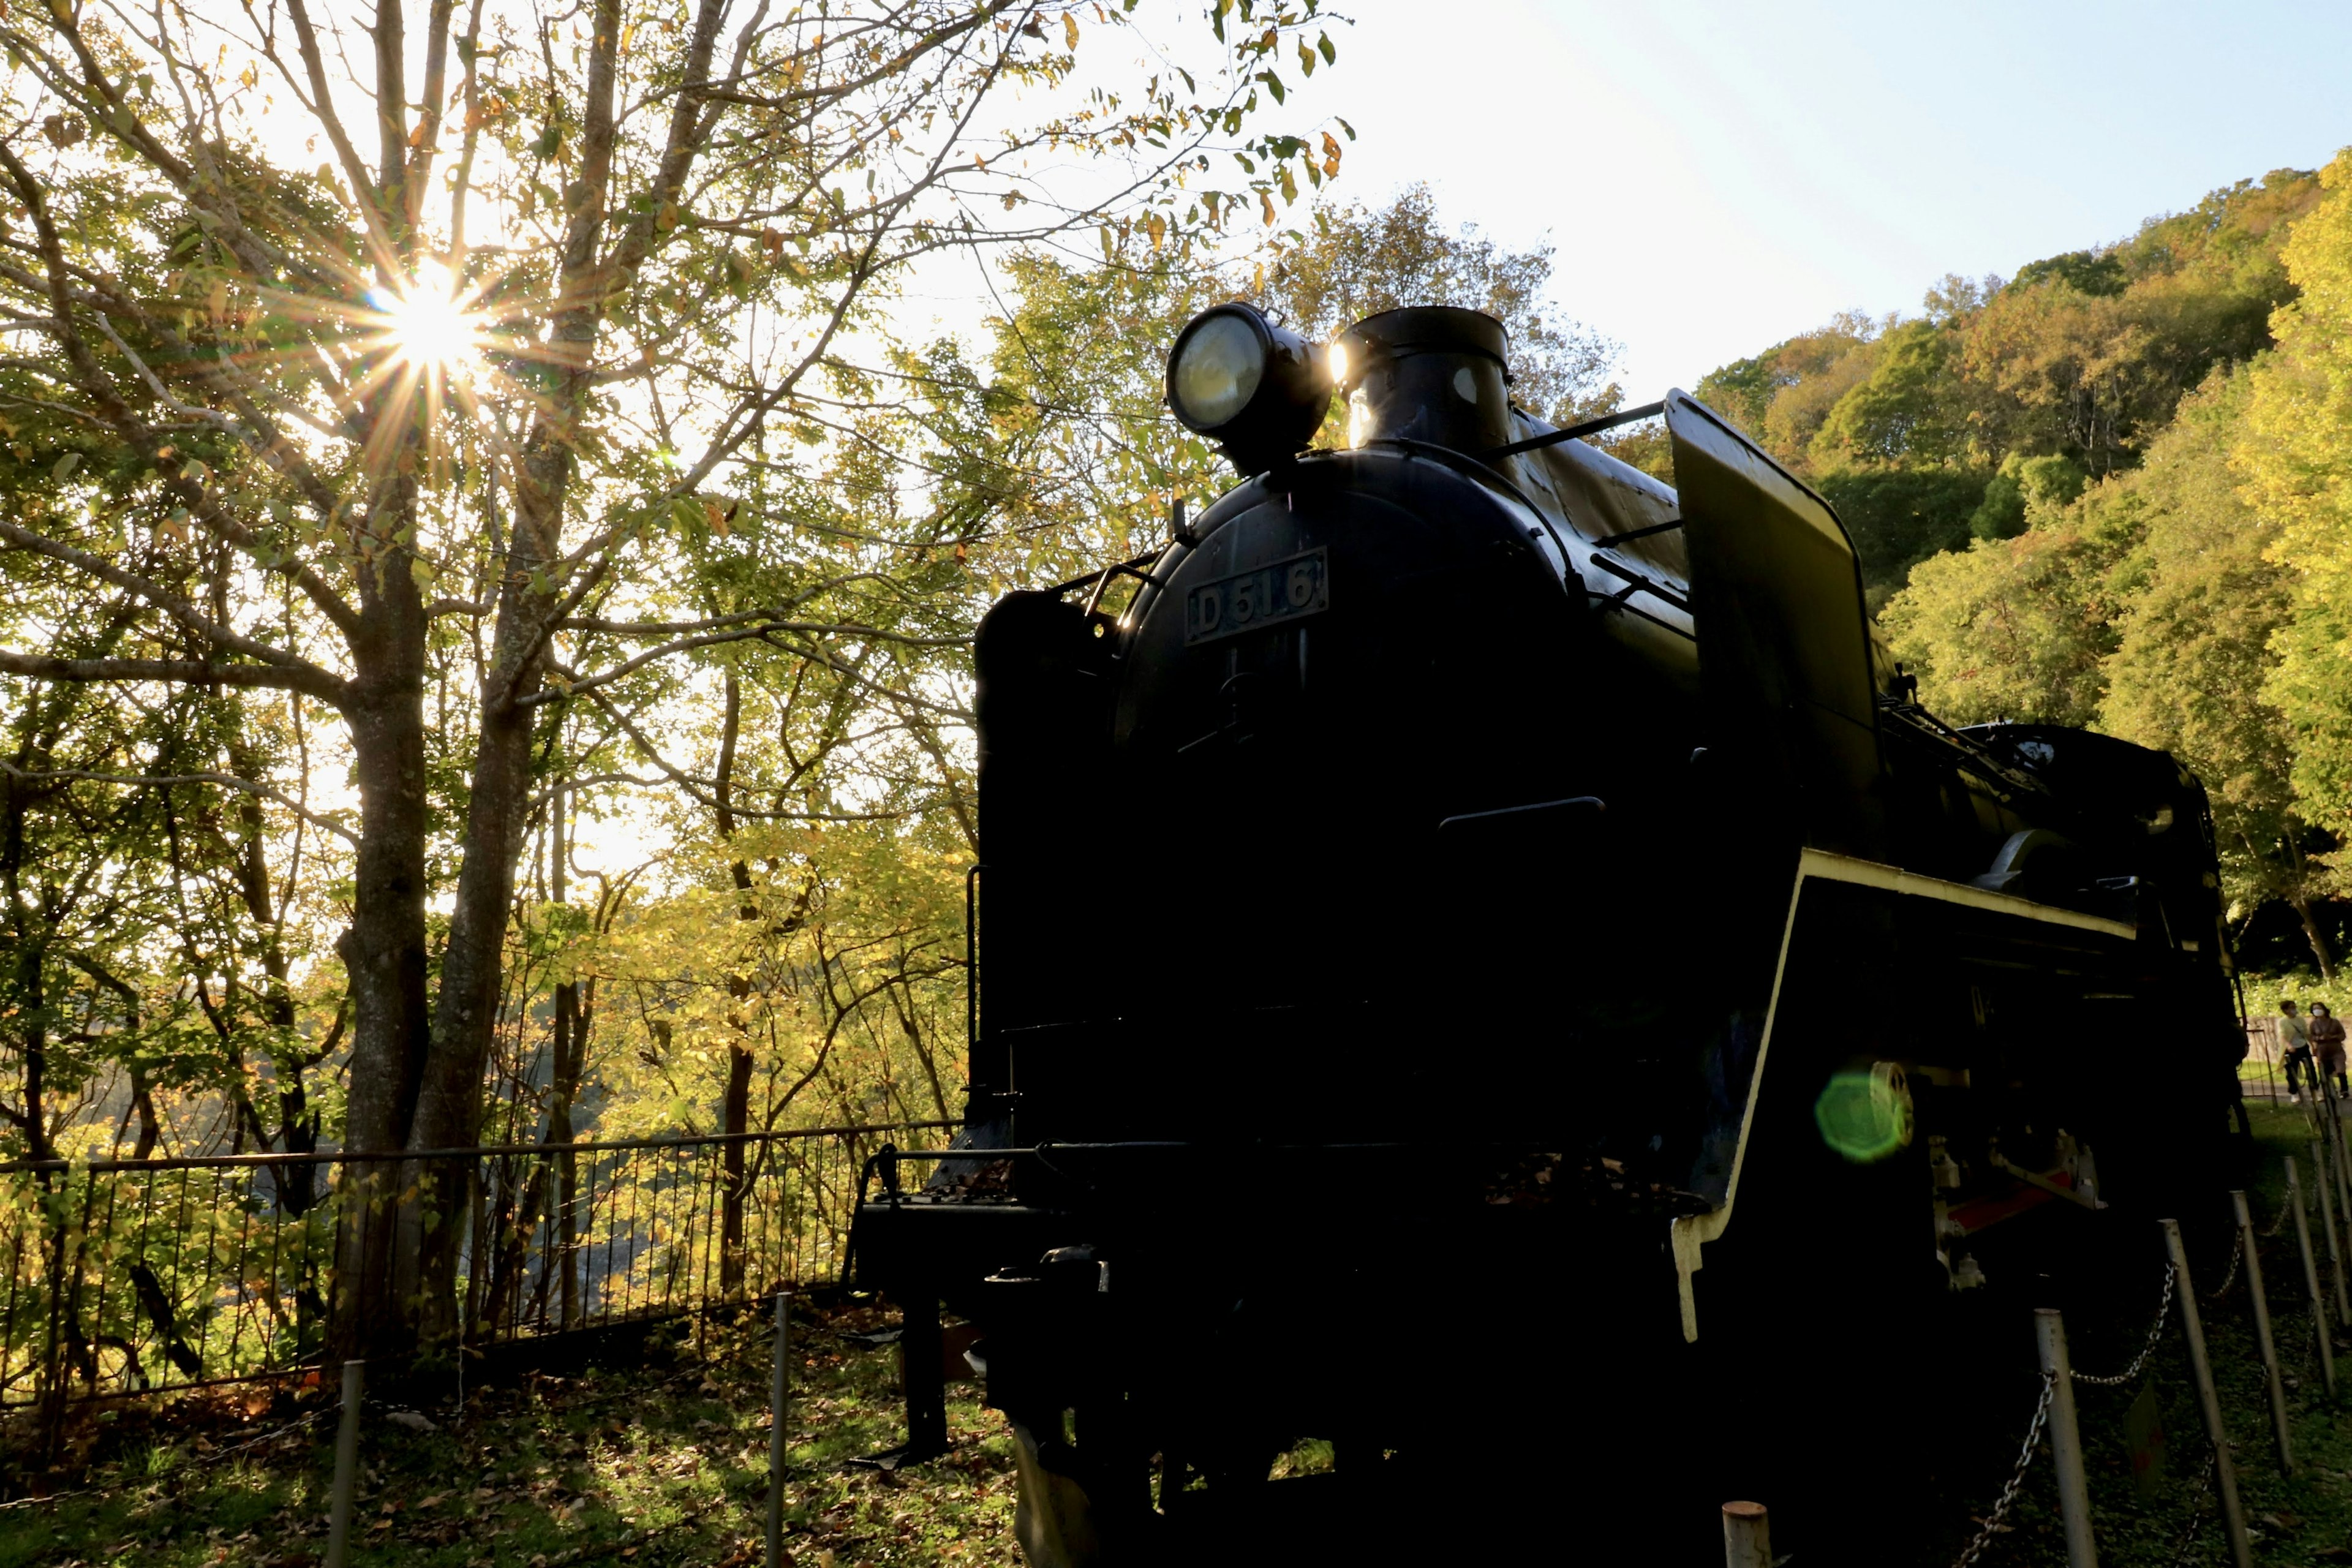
664, 1462
660, 1464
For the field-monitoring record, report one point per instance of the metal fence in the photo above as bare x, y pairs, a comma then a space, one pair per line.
129, 1276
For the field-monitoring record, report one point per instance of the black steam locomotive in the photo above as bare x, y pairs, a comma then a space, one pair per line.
1482, 962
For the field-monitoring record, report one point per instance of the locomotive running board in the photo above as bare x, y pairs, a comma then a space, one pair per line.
1687, 1235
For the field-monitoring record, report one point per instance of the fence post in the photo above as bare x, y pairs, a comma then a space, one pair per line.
347, 1461
2332, 1127
2319, 1322
2209, 1402
2263, 1343
1746, 1536
2066, 1439
2327, 1224
779, 1394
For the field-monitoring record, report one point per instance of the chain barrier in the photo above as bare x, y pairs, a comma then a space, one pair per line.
2197, 1511
2155, 1334
1993, 1521
2237, 1256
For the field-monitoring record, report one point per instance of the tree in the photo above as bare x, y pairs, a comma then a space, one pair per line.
1358, 261
2194, 647
1909, 409
2295, 461
2020, 628
434, 438
1782, 395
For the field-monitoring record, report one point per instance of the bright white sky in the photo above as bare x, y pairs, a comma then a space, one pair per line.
1717, 174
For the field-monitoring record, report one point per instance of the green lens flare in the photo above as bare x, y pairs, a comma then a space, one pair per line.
1863, 1117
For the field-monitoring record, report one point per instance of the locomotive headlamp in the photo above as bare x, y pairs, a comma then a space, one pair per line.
1257, 390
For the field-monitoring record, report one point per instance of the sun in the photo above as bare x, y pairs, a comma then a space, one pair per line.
427, 321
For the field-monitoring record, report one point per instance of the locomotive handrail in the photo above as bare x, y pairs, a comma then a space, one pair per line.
1455, 456
1126, 569
1649, 585
1978, 757
1480, 467
1607, 540
971, 956
1114, 569
1587, 428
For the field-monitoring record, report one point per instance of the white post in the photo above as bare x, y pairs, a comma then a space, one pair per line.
2263, 1343
2066, 1440
2327, 1224
2311, 1278
347, 1461
1746, 1536
2209, 1402
779, 1410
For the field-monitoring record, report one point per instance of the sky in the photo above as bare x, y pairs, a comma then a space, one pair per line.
1716, 176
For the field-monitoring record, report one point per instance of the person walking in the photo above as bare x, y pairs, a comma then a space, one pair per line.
2328, 1045
2295, 1041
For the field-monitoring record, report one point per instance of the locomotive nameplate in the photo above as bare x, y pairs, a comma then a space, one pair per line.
1249, 601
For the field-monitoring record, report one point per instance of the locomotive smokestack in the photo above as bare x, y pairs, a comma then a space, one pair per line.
1431, 373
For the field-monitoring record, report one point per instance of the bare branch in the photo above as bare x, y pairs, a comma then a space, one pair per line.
181, 671
170, 604
226, 781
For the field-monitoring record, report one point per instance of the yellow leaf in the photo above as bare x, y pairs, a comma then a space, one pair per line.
1266, 206
1070, 29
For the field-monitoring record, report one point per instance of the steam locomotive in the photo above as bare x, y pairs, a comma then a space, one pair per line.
1482, 965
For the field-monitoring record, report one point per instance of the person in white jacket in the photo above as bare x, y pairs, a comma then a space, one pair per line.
2295, 1040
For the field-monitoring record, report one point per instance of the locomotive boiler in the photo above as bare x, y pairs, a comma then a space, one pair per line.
1480, 962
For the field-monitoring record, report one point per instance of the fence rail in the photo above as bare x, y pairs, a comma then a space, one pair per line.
137, 1276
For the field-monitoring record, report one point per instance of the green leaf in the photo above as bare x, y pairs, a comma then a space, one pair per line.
66, 466
1273, 84
1330, 55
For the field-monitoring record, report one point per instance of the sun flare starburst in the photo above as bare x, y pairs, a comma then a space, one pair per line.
429, 323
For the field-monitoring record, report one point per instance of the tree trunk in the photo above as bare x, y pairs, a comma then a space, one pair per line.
383, 955
735, 1118
733, 1191
571, 1049
448, 1110
2301, 904
464, 1013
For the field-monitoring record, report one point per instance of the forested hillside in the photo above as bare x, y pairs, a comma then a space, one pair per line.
2116, 490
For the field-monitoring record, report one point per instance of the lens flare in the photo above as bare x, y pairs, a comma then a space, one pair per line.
430, 327
1864, 1116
